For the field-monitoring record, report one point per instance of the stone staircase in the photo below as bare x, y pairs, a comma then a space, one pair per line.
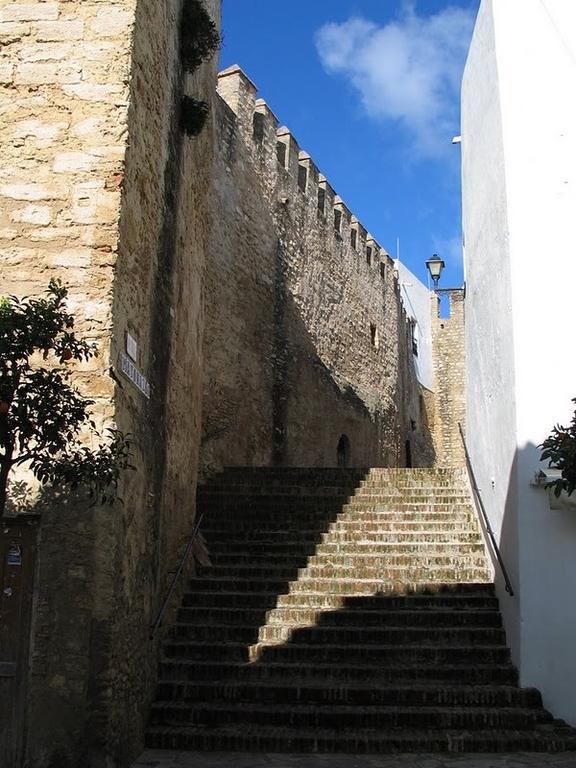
344, 611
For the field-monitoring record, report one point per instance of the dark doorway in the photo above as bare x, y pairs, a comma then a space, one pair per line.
17, 554
408, 454
343, 452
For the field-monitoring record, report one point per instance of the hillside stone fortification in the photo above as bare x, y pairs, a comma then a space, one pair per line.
307, 343
262, 323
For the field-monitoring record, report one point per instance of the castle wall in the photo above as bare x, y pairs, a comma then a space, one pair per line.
305, 340
100, 187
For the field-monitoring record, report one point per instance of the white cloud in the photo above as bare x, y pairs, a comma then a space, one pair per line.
408, 70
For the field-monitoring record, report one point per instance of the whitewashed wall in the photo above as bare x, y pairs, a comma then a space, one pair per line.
519, 198
416, 299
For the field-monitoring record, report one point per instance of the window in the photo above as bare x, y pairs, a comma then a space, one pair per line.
375, 341
258, 127
414, 334
281, 153
353, 238
337, 221
369, 255
302, 177
321, 200
383, 270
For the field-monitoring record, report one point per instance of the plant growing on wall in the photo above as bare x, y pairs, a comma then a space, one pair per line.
559, 449
42, 417
199, 41
199, 38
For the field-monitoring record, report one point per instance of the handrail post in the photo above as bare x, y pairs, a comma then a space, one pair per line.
507, 583
154, 627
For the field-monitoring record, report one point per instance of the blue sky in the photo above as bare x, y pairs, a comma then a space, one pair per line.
370, 88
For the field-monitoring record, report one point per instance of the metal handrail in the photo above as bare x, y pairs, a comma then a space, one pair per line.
155, 626
507, 582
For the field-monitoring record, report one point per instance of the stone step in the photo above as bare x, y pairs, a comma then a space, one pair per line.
369, 532
304, 692
433, 617
370, 655
351, 555
375, 492
182, 713
420, 603
308, 578
390, 546
261, 739
335, 635
343, 587
461, 674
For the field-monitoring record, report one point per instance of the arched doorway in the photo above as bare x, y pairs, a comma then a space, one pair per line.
343, 452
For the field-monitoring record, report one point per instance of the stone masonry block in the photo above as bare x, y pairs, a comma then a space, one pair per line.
95, 92
28, 11
111, 22
49, 31
45, 74
12, 32
33, 214
74, 162
45, 51
44, 133
72, 257
31, 191
6, 72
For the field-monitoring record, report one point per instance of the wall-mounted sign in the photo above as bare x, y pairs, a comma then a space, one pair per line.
136, 377
14, 555
131, 347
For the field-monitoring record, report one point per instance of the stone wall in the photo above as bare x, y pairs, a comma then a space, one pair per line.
450, 379
100, 187
306, 336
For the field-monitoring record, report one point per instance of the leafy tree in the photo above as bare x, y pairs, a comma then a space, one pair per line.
560, 451
42, 417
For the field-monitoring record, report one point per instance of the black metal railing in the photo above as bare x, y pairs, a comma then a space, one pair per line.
157, 624
486, 520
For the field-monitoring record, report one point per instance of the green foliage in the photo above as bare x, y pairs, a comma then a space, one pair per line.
199, 38
193, 115
559, 449
43, 417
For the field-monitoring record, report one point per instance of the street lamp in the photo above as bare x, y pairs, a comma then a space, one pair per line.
435, 266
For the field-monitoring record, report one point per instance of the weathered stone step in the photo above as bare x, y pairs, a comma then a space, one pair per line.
338, 635
310, 578
301, 691
248, 738
355, 558
461, 674
356, 506
405, 530
389, 546
386, 635
182, 713
350, 654
263, 600
343, 587
392, 546
386, 494
289, 616
259, 489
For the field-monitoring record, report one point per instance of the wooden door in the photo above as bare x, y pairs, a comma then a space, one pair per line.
17, 554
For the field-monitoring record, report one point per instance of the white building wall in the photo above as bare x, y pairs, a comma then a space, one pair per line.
519, 189
416, 299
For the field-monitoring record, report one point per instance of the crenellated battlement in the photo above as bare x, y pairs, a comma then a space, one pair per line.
293, 171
